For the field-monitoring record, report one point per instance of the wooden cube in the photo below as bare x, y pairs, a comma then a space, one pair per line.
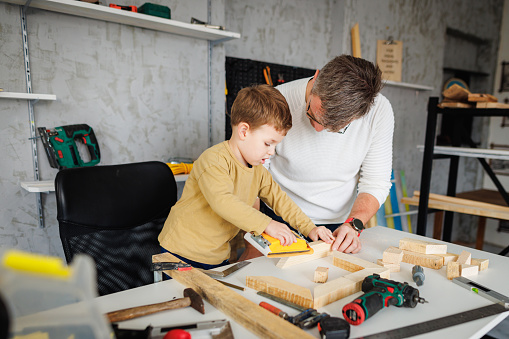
392, 255
321, 274
465, 258
453, 270
468, 270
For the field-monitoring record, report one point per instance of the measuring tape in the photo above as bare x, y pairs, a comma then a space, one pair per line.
502, 302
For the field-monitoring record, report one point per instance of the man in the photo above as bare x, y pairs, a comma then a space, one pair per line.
336, 161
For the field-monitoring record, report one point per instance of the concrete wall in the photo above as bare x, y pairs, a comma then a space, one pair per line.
308, 34
145, 93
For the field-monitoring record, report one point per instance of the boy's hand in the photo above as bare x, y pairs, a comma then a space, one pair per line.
347, 240
281, 232
321, 232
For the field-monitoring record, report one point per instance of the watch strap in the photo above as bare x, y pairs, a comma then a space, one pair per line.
349, 221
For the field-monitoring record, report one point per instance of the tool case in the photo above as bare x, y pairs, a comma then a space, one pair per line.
155, 10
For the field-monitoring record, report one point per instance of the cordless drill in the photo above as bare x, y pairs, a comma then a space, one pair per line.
380, 293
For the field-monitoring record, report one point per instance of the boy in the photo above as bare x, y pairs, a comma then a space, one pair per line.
225, 181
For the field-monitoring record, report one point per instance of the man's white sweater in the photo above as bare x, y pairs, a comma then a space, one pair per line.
322, 171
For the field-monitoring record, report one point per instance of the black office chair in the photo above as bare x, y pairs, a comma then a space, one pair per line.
114, 214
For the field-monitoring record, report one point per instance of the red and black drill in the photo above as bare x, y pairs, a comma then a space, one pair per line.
380, 293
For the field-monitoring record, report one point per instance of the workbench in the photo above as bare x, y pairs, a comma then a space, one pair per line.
444, 297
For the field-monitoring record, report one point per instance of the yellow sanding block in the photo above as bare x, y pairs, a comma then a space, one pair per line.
271, 247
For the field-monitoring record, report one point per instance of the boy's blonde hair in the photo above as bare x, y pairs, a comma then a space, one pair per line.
259, 105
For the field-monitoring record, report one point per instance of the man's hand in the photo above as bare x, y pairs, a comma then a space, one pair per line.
323, 233
281, 232
347, 240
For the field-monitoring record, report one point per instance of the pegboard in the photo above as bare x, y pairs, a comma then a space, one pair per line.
242, 73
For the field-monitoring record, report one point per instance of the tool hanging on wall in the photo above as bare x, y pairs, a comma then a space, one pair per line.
267, 76
63, 145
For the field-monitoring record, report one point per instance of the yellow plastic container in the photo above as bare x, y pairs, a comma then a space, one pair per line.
47, 299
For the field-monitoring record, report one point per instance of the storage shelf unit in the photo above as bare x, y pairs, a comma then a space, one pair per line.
431, 152
47, 186
27, 96
103, 13
408, 85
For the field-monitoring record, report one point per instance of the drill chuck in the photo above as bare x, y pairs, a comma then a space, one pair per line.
418, 275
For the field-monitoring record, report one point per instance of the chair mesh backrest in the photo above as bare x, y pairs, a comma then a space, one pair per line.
114, 214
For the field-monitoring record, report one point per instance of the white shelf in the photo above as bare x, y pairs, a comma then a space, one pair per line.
99, 12
470, 152
27, 96
407, 85
46, 186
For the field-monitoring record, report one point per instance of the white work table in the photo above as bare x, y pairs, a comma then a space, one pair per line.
444, 297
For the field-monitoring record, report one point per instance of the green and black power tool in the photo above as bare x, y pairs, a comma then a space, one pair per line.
61, 146
380, 293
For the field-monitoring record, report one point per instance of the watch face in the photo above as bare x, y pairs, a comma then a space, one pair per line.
357, 224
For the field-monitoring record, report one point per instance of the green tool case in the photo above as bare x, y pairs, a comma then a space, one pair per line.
155, 10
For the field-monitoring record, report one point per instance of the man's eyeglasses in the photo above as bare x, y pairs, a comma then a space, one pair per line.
310, 116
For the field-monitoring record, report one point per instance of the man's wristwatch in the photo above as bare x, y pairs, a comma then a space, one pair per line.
356, 225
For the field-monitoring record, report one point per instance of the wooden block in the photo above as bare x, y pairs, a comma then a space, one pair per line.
464, 258
254, 318
320, 250
481, 263
491, 105
280, 288
453, 270
421, 246
321, 274
350, 263
456, 92
448, 257
424, 260
468, 270
332, 291
478, 97
393, 255
449, 104
392, 267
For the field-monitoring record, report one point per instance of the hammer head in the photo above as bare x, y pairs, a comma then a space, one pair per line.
196, 300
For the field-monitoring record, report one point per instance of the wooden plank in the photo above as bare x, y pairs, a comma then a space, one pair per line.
280, 288
421, 246
466, 202
391, 266
248, 314
448, 257
478, 97
320, 248
456, 92
491, 105
459, 208
424, 260
350, 263
455, 105
356, 41
332, 291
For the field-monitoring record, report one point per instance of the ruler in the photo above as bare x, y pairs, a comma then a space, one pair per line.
501, 305
440, 323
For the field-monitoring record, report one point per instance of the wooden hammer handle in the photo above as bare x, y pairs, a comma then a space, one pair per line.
140, 311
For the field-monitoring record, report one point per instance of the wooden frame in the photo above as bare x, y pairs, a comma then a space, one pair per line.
323, 294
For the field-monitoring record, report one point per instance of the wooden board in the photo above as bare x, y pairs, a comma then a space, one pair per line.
454, 104
320, 250
477, 97
483, 212
424, 260
248, 314
280, 288
421, 246
491, 105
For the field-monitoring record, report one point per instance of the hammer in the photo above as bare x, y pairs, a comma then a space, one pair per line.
191, 298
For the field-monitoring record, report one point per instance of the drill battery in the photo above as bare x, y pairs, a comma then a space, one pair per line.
62, 146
